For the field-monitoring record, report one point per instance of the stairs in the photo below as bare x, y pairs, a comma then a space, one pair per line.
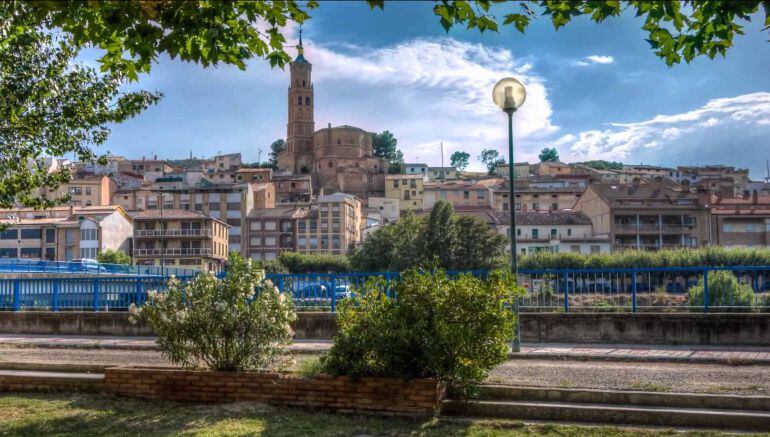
747, 413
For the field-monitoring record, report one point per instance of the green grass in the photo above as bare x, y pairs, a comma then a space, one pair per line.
91, 415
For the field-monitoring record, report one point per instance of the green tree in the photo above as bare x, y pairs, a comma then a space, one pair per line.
676, 29
549, 155
600, 164
476, 246
440, 233
385, 146
491, 159
460, 159
393, 247
276, 147
52, 106
113, 257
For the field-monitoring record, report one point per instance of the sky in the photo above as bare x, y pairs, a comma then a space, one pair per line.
594, 91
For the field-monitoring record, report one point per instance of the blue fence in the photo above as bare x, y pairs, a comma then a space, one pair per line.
742, 289
17, 265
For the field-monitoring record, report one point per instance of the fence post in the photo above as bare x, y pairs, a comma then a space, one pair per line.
566, 291
16, 295
96, 293
139, 291
705, 291
280, 283
55, 299
334, 293
633, 291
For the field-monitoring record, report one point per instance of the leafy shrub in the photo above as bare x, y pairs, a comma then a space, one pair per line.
113, 257
310, 368
296, 262
724, 290
454, 330
233, 324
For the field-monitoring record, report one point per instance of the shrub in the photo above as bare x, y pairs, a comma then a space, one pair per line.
237, 323
724, 290
113, 257
454, 330
296, 262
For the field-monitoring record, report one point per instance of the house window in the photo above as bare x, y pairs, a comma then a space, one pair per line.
30, 252
553, 232
569, 232
88, 235
299, 100
466, 195
750, 227
518, 232
395, 183
88, 191
727, 227
595, 248
50, 235
534, 234
535, 206
307, 101
30, 234
554, 207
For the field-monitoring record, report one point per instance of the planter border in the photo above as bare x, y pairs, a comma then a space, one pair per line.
341, 394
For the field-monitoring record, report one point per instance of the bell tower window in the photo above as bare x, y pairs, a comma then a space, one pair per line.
307, 101
299, 100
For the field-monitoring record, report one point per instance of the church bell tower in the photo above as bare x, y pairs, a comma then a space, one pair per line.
298, 156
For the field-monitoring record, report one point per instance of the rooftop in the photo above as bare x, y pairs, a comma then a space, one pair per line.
277, 212
170, 214
552, 218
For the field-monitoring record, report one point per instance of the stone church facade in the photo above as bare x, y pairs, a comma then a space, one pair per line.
338, 158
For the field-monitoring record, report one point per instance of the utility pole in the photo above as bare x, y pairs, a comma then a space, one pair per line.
259, 157
443, 179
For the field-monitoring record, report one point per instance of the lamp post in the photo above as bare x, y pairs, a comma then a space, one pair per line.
162, 231
509, 94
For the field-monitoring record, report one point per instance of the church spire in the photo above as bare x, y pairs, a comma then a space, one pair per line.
300, 49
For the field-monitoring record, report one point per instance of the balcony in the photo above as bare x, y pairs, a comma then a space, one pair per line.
174, 252
651, 228
151, 233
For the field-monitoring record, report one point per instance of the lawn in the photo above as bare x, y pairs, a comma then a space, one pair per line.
86, 415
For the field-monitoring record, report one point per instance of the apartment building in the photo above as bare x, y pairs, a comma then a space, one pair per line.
249, 174
65, 233
463, 194
333, 225
270, 231
743, 222
84, 190
442, 173
536, 198
388, 208
416, 169
646, 216
548, 168
142, 166
407, 189
722, 180
520, 170
559, 231
180, 238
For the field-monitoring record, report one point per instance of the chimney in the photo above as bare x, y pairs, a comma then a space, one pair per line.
754, 197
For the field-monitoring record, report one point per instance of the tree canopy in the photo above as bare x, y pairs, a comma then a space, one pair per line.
491, 159
676, 29
600, 164
549, 155
460, 159
276, 147
441, 239
52, 106
385, 146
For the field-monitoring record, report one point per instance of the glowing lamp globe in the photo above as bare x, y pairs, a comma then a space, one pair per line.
509, 94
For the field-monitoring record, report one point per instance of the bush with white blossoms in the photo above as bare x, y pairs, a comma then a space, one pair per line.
238, 323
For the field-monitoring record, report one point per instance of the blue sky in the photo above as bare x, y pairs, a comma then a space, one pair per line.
595, 91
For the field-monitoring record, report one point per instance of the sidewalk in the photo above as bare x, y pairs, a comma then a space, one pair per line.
588, 352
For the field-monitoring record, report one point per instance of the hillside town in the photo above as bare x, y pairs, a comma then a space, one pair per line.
328, 192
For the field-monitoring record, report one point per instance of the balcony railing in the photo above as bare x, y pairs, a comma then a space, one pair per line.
651, 227
172, 233
173, 252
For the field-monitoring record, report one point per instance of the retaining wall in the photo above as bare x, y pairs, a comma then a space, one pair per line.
417, 397
641, 328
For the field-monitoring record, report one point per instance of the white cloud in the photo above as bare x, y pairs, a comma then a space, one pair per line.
599, 59
427, 91
721, 129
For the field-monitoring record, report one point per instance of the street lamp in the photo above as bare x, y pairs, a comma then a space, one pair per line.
509, 94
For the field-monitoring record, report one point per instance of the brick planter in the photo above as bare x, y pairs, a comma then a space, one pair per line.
417, 397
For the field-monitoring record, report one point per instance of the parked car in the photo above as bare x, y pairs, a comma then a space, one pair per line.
87, 265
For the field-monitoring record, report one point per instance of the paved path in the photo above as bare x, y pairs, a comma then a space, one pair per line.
601, 352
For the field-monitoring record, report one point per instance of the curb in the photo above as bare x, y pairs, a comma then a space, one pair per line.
638, 359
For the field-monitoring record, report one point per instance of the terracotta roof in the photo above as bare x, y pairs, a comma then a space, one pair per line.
455, 185
404, 176
541, 218
154, 214
616, 193
277, 212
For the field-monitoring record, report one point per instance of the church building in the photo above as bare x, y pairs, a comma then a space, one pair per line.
339, 159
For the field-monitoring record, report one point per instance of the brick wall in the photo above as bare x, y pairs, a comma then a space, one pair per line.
27, 382
418, 397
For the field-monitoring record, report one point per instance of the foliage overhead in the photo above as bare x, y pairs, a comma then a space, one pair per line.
442, 239
491, 159
460, 160
454, 330
52, 106
134, 33
549, 155
234, 324
676, 29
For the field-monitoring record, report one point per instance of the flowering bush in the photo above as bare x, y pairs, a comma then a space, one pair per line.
237, 323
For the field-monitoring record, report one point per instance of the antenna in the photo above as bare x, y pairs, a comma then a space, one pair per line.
442, 162
767, 164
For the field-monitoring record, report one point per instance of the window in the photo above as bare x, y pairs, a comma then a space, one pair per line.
313, 225
518, 206
575, 248
307, 101
301, 242
727, 227
413, 183
750, 227
301, 225
234, 206
270, 226
9, 234
214, 206
88, 235
518, 232
88, 252
9, 253
50, 235
255, 226
553, 233
595, 248
30, 252
480, 195
534, 234
466, 195
554, 207
50, 253
299, 100
330, 164
88, 191
569, 232
535, 206
255, 241
30, 234
395, 183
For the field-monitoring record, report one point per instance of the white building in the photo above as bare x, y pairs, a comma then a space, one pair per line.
559, 231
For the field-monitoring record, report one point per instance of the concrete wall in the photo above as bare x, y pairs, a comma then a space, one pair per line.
652, 328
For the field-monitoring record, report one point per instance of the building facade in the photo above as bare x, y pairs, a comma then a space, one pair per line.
180, 238
407, 189
559, 231
270, 231
331, 226
741, 222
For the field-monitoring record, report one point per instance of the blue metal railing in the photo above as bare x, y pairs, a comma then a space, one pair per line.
20, 265
744, 289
